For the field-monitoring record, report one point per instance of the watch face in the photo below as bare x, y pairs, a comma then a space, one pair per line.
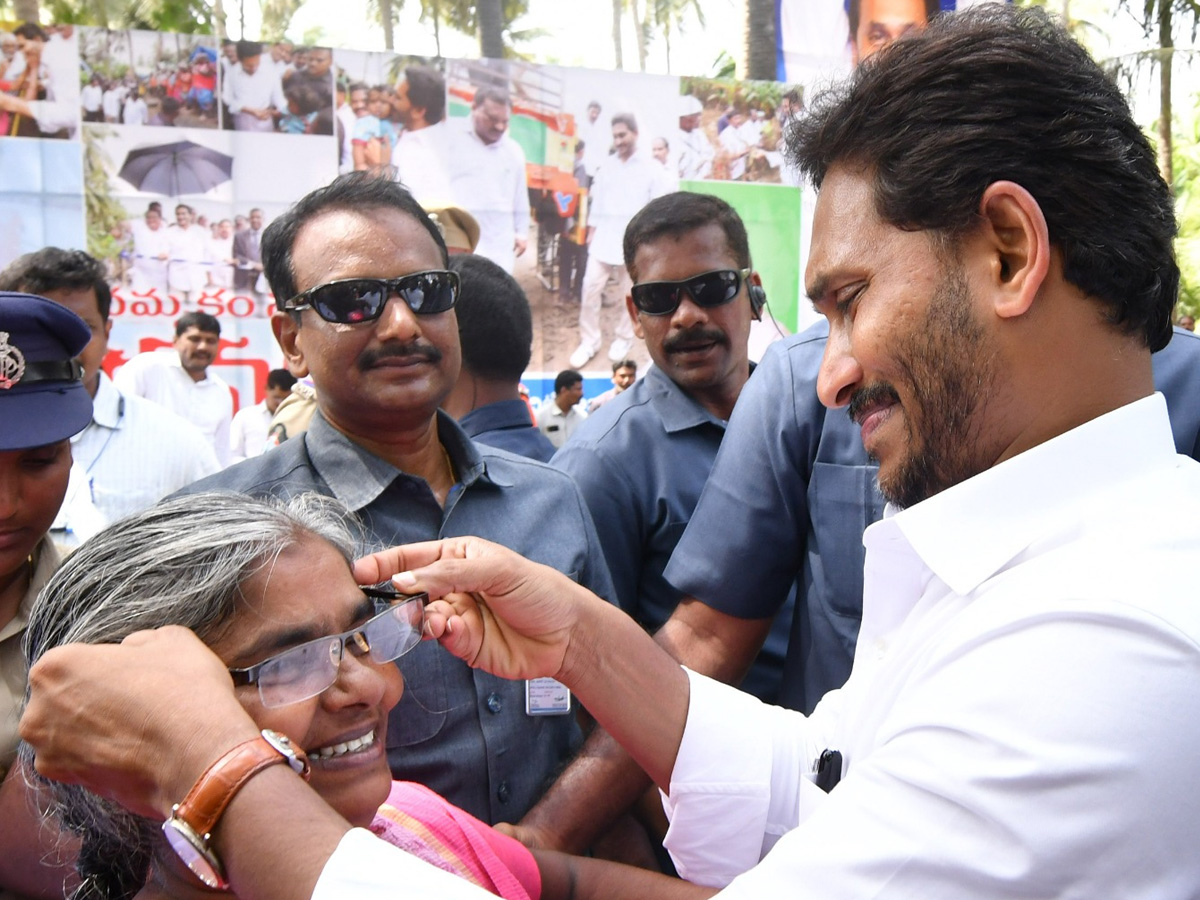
189, 847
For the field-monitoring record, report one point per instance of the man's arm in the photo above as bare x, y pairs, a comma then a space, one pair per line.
38, 859
603, 781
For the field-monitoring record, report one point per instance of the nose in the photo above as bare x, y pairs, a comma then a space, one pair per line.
689, 312
360, 681
397, 322
840, 372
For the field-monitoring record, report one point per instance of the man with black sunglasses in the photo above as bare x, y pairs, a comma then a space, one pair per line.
366, 307
642, 459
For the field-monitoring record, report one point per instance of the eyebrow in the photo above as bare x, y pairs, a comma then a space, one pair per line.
274, 642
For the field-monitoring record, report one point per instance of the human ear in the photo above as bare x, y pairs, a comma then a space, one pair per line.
1017, 241
637, 320
287, 334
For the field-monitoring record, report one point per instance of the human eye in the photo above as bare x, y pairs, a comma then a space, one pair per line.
846, 299
42, 457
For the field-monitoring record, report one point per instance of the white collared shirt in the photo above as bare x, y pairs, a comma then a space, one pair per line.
488, 181
134, 452
622, 187
248, 432
258, 91
159, 377
1022, 715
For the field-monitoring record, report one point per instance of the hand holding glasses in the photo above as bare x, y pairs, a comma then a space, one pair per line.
305, 671
716, 288
352, 301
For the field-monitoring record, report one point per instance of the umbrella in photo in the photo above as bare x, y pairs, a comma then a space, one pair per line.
178, 168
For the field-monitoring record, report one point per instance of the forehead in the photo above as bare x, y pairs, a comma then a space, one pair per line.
374, 243
670, 258
493, 108
195, 334
892, 10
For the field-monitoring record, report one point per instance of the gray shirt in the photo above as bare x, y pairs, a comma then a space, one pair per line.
462, 732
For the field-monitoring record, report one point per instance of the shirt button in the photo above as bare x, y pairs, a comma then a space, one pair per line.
502, 792
494, 703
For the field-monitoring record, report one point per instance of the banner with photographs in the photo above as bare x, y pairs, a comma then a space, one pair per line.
166, 155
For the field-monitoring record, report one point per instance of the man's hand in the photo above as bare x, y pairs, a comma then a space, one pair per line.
138, 721
519, 245
492, 608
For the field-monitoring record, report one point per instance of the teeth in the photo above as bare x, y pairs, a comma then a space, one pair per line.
349, 747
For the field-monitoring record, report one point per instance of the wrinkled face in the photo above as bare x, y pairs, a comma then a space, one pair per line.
659, 150
33, 483
308, 592
82, 302
699, 348
9, 48
197, 349
624, 377
882, 21
491, 120
372, 376
907, 349
319, 61
624, 140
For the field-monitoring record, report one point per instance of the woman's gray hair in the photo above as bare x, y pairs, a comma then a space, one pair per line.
179, 563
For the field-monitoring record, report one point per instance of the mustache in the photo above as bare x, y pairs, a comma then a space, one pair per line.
698, 334
871, 396
419, 349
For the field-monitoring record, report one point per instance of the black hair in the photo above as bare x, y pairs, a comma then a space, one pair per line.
306, 97
624, 364
486, 92
427, 91
201, 321
565, 379
31, 31
854, 9
170, 106
677, 214
357, 86
280, 379
626, 119
354, 192
52, 268
495, 325
1001, 93
248, 49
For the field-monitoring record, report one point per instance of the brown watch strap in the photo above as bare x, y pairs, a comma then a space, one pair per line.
213, 790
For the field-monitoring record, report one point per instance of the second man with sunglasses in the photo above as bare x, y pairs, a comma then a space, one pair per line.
359, 273
642, 459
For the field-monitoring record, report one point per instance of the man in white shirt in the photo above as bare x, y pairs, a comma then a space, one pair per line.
252, 91
92, 99
151, 252
1021, 719
179, 379
221, 259
419, 156
135, 111
694, 151
558, 418
188, 245
248, 432
487, 178
133, 453
624, 183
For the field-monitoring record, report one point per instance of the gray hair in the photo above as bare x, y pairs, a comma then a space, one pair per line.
179, 563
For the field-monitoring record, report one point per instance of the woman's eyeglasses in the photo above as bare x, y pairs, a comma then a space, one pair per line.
355, 300
305, 671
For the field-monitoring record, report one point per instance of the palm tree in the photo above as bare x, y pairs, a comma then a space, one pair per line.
491, 28
759, 57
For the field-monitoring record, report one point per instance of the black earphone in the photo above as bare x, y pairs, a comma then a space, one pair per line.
758, 299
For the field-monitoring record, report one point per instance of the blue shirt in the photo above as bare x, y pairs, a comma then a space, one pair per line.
460, 731
641, 461
792, 492
506, 424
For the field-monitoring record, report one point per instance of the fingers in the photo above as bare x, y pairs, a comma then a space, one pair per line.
383, 565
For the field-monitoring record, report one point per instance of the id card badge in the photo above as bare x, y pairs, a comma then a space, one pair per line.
546, 697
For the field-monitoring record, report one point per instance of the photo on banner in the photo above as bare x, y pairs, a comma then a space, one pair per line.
148, 78
277, 88
39, 81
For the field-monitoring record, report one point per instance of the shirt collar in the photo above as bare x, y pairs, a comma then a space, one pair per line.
108, 404
357, 477
969, 532
675, 408
495, 416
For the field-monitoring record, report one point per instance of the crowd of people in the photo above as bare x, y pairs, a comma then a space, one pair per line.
169, 95
282, 88
944, 540
39, 82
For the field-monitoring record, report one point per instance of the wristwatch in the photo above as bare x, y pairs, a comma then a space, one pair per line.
189, 828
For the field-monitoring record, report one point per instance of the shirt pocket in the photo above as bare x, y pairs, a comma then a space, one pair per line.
843, 501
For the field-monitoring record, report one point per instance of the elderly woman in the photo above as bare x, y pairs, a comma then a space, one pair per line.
268, 587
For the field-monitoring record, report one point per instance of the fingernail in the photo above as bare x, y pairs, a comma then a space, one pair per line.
404, 580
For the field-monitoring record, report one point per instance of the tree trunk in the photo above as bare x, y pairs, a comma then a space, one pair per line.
759, 60
25, 10
219, 19
1166, 57
617, 33
436, 12
385, 19
491, 29
640, 33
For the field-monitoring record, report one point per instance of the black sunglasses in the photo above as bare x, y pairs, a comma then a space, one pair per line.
355, 300
661, 298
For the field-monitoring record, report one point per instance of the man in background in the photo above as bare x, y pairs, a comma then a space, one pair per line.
248, 431
876, 23
253, 92
420, 153
624, 374
495, 329
560, 417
